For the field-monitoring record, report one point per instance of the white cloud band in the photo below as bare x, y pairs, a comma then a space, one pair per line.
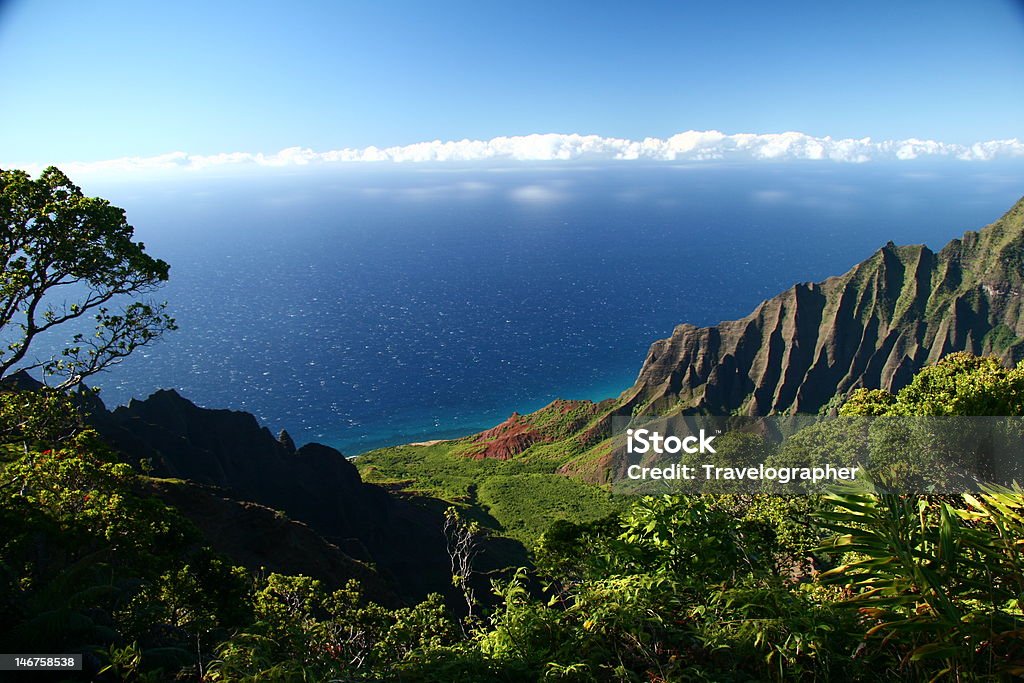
689, 146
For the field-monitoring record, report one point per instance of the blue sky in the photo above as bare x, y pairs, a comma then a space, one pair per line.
89, 81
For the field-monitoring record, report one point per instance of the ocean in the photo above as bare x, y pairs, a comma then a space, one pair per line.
372, 305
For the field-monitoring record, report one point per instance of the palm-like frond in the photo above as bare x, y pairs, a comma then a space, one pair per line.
942, 578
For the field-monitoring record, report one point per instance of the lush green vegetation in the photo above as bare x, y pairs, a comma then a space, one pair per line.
525, 505
960, 384
89, 565
520, 497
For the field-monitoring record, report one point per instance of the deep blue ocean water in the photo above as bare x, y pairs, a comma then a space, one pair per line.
378, 305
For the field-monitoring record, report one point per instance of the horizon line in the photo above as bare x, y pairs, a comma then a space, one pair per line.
691, 145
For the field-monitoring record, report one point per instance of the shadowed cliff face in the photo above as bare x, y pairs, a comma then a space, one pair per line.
873, 327
316, 485
264, 540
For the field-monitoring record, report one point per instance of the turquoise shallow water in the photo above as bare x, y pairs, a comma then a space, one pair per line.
363, 308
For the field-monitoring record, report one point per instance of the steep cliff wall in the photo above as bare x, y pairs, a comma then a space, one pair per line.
873, 326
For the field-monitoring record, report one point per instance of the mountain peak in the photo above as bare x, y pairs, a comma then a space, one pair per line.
873, 326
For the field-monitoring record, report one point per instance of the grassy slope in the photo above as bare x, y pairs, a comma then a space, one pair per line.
519, 497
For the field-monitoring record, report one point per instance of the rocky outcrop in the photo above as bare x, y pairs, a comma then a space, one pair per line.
872, 327
402, 538
555, 421
285, 439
